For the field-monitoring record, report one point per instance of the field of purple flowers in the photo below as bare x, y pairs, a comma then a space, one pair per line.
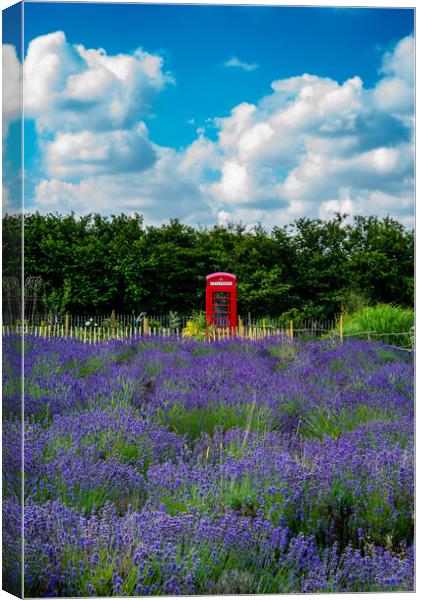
183, 467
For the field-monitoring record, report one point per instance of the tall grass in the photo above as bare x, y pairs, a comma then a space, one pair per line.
386, 323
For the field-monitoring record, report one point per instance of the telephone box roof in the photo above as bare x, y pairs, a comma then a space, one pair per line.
212, 275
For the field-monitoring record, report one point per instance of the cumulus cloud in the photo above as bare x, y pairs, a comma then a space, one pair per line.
395, 92
300, 148
165, 191
400, 61
72, 88
11, 87
224, 218
88, 106
94, 153
311, 147
11, 111
202, 152
11, 196
235, 62
234, 184
5, 197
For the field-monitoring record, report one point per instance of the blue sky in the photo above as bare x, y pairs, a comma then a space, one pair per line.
220, 112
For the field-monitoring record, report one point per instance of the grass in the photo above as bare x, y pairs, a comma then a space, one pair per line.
322, 423
284, 354
195, 421
386, 323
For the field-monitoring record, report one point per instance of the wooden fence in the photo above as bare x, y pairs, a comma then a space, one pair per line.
93, 331
105, 319
93, 334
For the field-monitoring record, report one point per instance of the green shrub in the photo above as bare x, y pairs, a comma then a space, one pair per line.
354, 301
196, 326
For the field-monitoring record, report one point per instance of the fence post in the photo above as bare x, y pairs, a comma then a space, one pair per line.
67, 325
291, 328
113, 322
145, 325
264, 327
240, 327
341, 333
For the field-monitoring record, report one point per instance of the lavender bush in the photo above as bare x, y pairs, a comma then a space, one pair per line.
183, 467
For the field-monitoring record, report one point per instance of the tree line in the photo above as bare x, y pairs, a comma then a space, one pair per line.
314, 268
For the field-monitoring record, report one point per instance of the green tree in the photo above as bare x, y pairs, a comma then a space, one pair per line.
313, 267
322, 265
382, 260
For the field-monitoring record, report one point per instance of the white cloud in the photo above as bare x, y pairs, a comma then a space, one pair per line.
395, 95
49, 62
200, 153
235, 62
94, 153
224, 218
400, 62
5, 197
343, 204
375, 202
11, 111
299, 148
232, 127
254, 138
234, 184
87, 106
164, 191
71, 88
311, 147
315, 104
11, 87
395, 92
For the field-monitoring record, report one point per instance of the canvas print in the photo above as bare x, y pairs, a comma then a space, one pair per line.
208, 299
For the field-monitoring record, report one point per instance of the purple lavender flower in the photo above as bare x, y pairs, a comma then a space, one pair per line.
178, 467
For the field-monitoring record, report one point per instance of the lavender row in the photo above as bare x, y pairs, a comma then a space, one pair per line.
175, 467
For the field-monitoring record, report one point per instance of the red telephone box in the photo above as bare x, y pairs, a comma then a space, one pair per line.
221, 300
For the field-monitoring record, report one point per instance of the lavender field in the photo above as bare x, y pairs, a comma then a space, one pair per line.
167, 466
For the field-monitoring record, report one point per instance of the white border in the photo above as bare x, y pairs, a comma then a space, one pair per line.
320, 3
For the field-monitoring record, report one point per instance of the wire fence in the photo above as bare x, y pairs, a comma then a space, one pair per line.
386, 338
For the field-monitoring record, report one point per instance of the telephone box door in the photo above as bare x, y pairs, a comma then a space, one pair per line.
221, 300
